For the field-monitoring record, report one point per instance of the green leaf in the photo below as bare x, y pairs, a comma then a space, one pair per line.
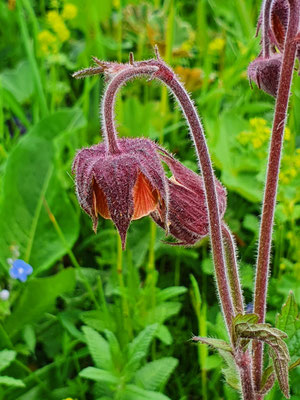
278, 348
6, 357
244, 318
163, 311
230, 372
142, 342
240, 319
287, 319
133, 392
98, 320
9, 381
39, 297
215, 343
164, 335
133, 364
171, 292
18, 81
99, 375
98, 348
29, 178
154, 375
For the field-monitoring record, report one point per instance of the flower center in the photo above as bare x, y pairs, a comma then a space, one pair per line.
20, 270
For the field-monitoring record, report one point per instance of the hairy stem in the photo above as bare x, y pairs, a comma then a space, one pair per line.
158, 69
108, 102
244, 364
232, 270
267, 218
265, 27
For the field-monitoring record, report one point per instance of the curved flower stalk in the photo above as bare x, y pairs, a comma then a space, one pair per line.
117, 75
282, 19
114, 180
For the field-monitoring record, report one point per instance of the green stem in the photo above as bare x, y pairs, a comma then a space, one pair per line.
31, 58
71, 255
125, 306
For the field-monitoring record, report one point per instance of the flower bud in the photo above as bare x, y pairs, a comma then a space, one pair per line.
265, 72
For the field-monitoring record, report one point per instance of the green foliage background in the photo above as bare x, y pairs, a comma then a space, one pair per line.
92, 322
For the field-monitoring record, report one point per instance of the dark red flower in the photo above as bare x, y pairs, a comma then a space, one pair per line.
188, 218
121, 186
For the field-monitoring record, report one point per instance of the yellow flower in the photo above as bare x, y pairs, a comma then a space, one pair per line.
69, 11
257, 142
57, 24
287, 134
216, 45
48, 42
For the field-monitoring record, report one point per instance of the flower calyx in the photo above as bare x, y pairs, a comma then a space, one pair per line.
123, 186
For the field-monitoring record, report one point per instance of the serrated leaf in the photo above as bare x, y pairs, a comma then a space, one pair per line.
230, 372
114, 347
38, 297
215, 343
164, 335
286, 320
6, 357
240, 319
133, 364
278, 348
9, 381
133, 392
99, 375
142, 342
98, 348
171, 292
243, 318
154, 375
163, 311
98, 320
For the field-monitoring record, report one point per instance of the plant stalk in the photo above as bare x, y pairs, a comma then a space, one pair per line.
267, 218
232, 270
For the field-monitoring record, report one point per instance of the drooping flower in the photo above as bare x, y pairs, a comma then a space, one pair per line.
121, 186
188, 218
20, 270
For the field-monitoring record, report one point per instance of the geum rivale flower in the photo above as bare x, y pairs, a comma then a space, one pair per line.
122, 186
132, 183
188, 219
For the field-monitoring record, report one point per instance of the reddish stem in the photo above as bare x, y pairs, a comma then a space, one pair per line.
266, 227
265, 27
109, 99
232, 270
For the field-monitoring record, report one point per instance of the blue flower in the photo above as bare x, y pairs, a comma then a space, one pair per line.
20, 269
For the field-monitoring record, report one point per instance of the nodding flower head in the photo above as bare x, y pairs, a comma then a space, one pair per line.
121, 186
265, 72
188, 218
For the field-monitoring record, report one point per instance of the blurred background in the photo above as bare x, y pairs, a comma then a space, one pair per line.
87, 304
